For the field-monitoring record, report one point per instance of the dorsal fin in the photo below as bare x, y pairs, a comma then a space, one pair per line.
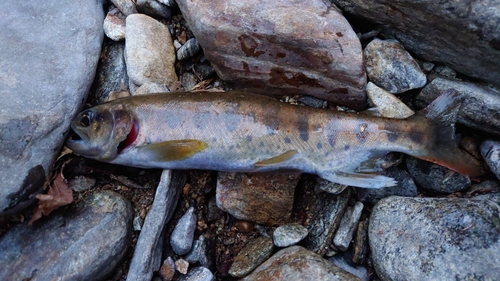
444, 109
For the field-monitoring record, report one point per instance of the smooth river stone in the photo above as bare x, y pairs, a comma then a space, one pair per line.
281, 47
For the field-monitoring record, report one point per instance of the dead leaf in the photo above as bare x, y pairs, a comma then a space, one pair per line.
58, 195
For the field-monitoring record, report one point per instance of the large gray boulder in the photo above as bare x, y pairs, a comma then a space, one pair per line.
47, 64
462, 34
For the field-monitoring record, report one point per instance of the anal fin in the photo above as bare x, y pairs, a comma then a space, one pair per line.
364, 180
278, 159
174, 150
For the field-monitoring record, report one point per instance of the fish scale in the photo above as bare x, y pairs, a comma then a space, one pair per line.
243, 132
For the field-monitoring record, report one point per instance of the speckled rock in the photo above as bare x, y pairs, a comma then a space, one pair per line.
324, 212
328, 186
111, 76
298, 263
149, 51
127, 7
480, 109
436, 238
182, 236
199, 273
154, 8
289, 234
434, 177
262, 198
251, 256
490, 150
84, 242
348, 224
281, 47
114, 25
460, 33
343, 262
405, 187
47, 63
386, 104
202, 251
391, 67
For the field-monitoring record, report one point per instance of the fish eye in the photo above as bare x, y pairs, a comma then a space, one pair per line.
86, 120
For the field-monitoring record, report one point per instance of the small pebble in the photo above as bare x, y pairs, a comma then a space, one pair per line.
198, 274
114, 25
202, 252
81, 183
391, 67
182, 236
344, 234
244, 226
182, 266
167, 269
289, 234
490, 150
127, 7
137, 223
189, 49
313, 102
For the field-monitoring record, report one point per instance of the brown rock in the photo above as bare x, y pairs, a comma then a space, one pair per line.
298, 263
251, 256
281, 47
263, 198
462, 34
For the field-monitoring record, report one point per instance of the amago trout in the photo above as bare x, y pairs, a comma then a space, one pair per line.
243, 132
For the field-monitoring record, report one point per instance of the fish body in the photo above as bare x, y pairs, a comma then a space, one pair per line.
243, 132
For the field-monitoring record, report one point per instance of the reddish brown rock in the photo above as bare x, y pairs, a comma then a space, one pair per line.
281, 47
298, 263
262, 198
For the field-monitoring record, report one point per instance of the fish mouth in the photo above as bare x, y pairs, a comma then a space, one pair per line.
73, 136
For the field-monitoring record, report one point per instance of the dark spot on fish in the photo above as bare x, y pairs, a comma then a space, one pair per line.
326, 154
173, 120
200, 121
304, 135
249, 138
319, 145
249, 46
267, 151
346, 147
214, 140
287, 140
339, 34
261, 144
231, 122
392, 136
332, 140
362, 132
303, 125
416, 136
278, 147
231, 147
238, 145
253, 150
391, 129
280, 55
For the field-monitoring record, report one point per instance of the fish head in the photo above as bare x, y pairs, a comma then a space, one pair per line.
101, 132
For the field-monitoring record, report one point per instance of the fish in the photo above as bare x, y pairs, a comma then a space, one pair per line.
244, 132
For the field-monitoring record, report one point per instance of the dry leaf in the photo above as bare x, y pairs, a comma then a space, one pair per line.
58, 195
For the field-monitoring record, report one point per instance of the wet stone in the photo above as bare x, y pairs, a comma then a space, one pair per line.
266, 47
444, 239
301, 264
182, 266
167, 269
147, 253
213, 212
199, 273
386, 104
313, 102
348, 225
440, 31
48, 57
149, 51
289, 234
151, 88
405, 186
111, 73
343, 262
188, 81
114, 25
85, 241
263, 198
81, 183
324, 212
154, 8
189, 49
490, 150
436, 178
202, 252
127, 7
481, 106
328, 186
251, 256
360, 248
182, 236
391, 67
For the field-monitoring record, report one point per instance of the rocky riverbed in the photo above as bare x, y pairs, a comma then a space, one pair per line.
106, 222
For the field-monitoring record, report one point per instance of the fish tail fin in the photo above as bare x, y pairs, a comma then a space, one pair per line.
443, 150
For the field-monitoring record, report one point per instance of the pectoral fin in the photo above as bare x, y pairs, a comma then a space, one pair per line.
174, 150
364, 180
278, 159
375, 162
